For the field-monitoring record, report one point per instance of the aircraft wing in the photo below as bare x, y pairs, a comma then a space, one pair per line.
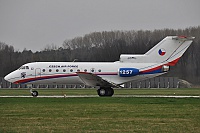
94, 80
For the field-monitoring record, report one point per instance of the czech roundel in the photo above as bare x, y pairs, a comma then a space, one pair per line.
161, 52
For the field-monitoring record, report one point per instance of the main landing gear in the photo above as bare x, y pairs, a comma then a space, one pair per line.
105, 91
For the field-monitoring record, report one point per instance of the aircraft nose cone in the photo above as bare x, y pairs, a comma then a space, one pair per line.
11, 77
7, 77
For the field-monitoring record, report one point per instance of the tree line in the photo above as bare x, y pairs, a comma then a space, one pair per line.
107, 46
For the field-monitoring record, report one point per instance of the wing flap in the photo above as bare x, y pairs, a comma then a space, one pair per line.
94, 80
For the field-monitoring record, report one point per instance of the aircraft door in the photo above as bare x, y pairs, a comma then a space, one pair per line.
37, 72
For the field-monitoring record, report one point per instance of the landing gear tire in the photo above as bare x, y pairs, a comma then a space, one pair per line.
34, 93
102, 92
110, 92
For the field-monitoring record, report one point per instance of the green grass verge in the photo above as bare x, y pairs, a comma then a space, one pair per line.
110, 114
46, 92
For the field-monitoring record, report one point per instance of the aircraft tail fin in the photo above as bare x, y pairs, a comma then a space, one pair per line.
169, 51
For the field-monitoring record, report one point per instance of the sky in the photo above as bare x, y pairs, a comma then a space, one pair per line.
34, 24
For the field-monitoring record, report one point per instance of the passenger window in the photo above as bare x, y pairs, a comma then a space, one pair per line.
43, 70
99, 70
64, 70
71, 70
85, 70
78, 70
57, 70
50, 70
92, 70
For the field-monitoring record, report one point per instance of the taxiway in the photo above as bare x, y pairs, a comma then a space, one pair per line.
82, 96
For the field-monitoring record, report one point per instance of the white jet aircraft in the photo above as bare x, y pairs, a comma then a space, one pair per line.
105, 75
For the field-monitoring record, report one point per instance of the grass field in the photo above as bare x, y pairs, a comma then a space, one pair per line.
111, 114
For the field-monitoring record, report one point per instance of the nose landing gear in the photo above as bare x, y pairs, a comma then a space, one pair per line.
33, 93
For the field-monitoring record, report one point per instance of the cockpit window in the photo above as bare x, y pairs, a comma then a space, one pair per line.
24, 67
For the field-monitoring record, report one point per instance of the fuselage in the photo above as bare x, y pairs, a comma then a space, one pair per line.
65, 72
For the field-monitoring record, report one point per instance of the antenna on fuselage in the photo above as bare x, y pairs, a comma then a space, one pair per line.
75, 60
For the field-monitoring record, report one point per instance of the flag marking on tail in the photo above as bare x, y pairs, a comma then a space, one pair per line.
162, 51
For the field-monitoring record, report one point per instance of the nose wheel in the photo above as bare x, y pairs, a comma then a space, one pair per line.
34, 93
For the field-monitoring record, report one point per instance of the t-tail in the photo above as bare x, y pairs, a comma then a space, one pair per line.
168, 51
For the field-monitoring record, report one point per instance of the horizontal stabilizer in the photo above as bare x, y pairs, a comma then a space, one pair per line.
183, 38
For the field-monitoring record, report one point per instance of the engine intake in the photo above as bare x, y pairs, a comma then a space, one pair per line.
165, 68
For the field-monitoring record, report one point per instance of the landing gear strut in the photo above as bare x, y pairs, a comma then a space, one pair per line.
103, 91
33, 93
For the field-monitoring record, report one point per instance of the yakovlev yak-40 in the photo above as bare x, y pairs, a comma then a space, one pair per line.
105, 75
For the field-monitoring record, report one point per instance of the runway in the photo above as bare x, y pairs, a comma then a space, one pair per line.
90, 96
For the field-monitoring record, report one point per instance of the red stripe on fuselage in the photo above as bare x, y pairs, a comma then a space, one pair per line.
56, 76
43, 77
152, 69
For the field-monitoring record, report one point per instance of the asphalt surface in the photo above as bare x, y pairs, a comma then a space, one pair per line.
82, 96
